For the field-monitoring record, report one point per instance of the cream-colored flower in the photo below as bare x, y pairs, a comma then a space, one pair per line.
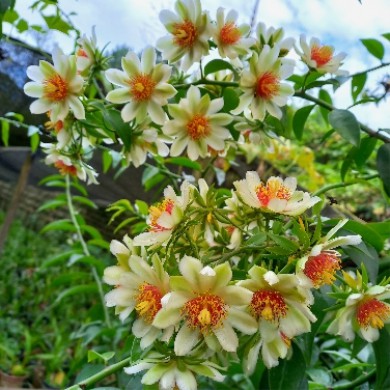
276, 196
86, 52
206, 307
231, 39
322, 262
139, 287
58, 87
320, 57
364, 313
165, 216
189, 32
278, 300
174, 373
262, 86
271, 37
67, 165
142, 86
197, 125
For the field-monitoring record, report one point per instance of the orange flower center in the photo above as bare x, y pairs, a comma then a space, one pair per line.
372, 312
55, 88
321, 55
155, 213
148, 302
185, 33
205, 311
273, 189
81, 53
267, 86
268, 304
321, 269
198, 127
229, 34
142, 87
65, 169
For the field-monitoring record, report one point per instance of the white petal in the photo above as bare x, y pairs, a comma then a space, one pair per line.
227, 337
185, 340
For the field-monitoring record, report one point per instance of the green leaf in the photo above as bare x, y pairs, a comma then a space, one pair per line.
361, 155
386, 36
151, 176
383, 166
58, 259
374, 47
107, 160
5, 132
256, 240
114, 122
61, 224
230, 99
52, 204
34, 142
290, 373
325, 96
184, 162
10, 16
284, 243
216, 65
84, 201
382, 356
357, 84
5, 4
22, 25
106, 356
55, 22
77, 290
299, 120
346, 124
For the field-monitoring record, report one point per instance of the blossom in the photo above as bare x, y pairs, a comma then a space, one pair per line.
206, 306
165, 216
68, 165
272, 37
174, 372
86, 52
197, 125
142, 86
189, 32
230, 38
144, 139
57, 87
321, 263
364, 312
276, 195
320, 57
262, 86
139, 287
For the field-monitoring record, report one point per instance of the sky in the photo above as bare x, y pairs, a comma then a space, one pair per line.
341, 23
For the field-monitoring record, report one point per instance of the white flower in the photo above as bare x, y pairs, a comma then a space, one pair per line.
271, 36
189, 32
320, 57
364, 313
165, 216
197, 125
139, 287
57, 87
231, 39
143, 87
262, 86
277, 195
174, 372
86, 52
206, 307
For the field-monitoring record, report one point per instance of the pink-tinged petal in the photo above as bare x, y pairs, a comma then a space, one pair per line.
185, 340
117, 77
119, 96
33, 89
77, 107
129, 111
40, 106
35, 73
226, 337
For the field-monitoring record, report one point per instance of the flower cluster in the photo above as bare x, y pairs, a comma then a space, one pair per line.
178, 276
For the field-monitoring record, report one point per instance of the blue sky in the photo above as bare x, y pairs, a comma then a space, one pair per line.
337, 22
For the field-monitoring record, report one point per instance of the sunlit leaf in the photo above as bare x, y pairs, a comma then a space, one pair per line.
299, 120
374, 47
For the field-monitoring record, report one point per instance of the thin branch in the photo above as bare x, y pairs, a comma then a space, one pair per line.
382, 65
254, 14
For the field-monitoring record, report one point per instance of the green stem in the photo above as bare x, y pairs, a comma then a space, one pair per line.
86, 250
14, 122
344, 184
383, 65
101, 374
380, 134
358, 381
204, 81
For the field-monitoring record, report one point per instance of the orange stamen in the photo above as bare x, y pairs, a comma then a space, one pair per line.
267, 86
185, 34
229, 34
198, 127
55, 89
372, 312
148, 302
321, 269
321, 55
142, 87
65, 169
273, 189
268, 304
155, 213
